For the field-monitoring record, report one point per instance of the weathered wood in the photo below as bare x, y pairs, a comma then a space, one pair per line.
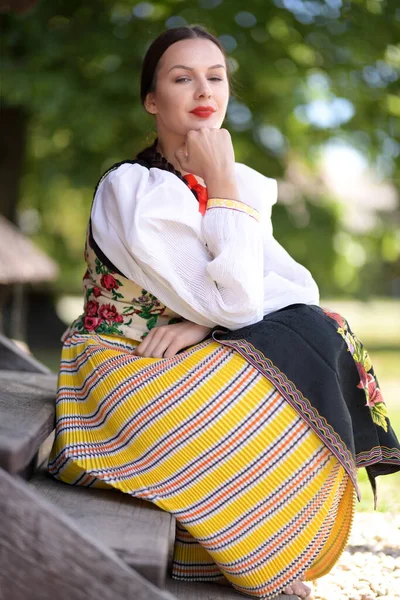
14, 359
44, 451
27, 416
139, 532
186, 590
44, 555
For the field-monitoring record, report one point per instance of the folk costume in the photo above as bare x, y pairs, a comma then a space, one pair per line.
253, 436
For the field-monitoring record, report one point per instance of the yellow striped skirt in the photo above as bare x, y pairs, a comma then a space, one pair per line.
258, 498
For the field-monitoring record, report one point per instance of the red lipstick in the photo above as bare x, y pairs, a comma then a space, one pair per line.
203, 111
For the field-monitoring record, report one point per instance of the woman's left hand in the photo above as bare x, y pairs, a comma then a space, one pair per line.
165, 341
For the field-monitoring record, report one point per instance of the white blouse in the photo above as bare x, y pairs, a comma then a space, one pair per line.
223, 268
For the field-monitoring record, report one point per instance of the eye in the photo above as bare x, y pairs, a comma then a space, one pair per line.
188, 79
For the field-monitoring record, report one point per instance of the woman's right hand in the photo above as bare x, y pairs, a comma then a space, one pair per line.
207, 153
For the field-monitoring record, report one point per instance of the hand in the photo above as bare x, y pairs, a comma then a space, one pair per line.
206, 153
167, 340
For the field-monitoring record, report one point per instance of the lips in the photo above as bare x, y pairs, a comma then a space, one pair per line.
203, 111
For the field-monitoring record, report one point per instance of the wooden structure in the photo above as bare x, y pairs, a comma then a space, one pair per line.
61, 541
21, 263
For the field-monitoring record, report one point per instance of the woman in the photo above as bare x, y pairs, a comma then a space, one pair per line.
202, 375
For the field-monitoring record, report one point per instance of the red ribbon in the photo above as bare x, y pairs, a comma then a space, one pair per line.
201, 191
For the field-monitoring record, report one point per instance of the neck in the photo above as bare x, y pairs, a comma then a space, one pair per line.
168, 145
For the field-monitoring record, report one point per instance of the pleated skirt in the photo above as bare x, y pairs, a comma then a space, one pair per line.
259, 500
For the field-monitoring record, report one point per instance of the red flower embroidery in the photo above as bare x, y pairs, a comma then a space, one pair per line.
336, 317
363, 375
109, 282
375, 395
96, 292
87, 274
92, 308
109, 313
373, 392
91, 323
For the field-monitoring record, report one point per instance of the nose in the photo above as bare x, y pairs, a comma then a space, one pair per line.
203, 88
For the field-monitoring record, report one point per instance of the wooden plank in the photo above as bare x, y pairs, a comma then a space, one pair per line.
27, 416
139, 532
14, 359
185, 590
44, 555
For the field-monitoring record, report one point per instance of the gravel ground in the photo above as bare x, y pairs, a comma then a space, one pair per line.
369, 568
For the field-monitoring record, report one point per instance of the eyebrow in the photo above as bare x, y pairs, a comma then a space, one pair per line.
191, 69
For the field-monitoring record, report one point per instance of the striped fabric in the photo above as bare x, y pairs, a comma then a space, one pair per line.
259, 499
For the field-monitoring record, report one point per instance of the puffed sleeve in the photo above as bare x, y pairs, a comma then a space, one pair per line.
207, 269
285, 280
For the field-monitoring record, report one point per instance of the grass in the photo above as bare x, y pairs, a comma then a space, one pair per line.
388, 486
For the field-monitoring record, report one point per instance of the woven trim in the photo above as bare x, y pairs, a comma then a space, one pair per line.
233, 205
382, 454
299, 402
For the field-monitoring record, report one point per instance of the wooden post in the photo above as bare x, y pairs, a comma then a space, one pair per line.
18, 313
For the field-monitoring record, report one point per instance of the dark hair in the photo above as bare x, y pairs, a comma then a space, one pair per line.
148, 80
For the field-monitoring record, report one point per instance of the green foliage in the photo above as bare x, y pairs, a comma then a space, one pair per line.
75, 67
302, 233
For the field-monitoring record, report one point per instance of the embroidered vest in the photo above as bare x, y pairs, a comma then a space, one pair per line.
115, 305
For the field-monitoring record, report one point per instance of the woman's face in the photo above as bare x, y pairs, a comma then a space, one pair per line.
192, 74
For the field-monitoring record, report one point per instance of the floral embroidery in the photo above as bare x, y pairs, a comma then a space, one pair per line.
107, 280
368, 380
102, 318
109, 306
149, 309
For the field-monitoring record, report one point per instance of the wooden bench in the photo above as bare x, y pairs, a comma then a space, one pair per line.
67, 542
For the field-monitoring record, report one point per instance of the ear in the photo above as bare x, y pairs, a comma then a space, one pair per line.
150, 104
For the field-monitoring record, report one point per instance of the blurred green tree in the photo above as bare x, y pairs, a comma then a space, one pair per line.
305, 72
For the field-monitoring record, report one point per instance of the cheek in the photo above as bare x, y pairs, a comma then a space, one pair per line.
173, 102
223, 94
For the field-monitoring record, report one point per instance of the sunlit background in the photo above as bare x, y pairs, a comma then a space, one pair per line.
316, 105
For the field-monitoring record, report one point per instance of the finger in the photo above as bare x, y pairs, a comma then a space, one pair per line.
153, 347
171, 343
160, 350
145, 343
301, 589
173, 349
140, 348
288, 590
159, 343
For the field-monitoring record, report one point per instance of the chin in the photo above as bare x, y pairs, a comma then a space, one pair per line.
207, 123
